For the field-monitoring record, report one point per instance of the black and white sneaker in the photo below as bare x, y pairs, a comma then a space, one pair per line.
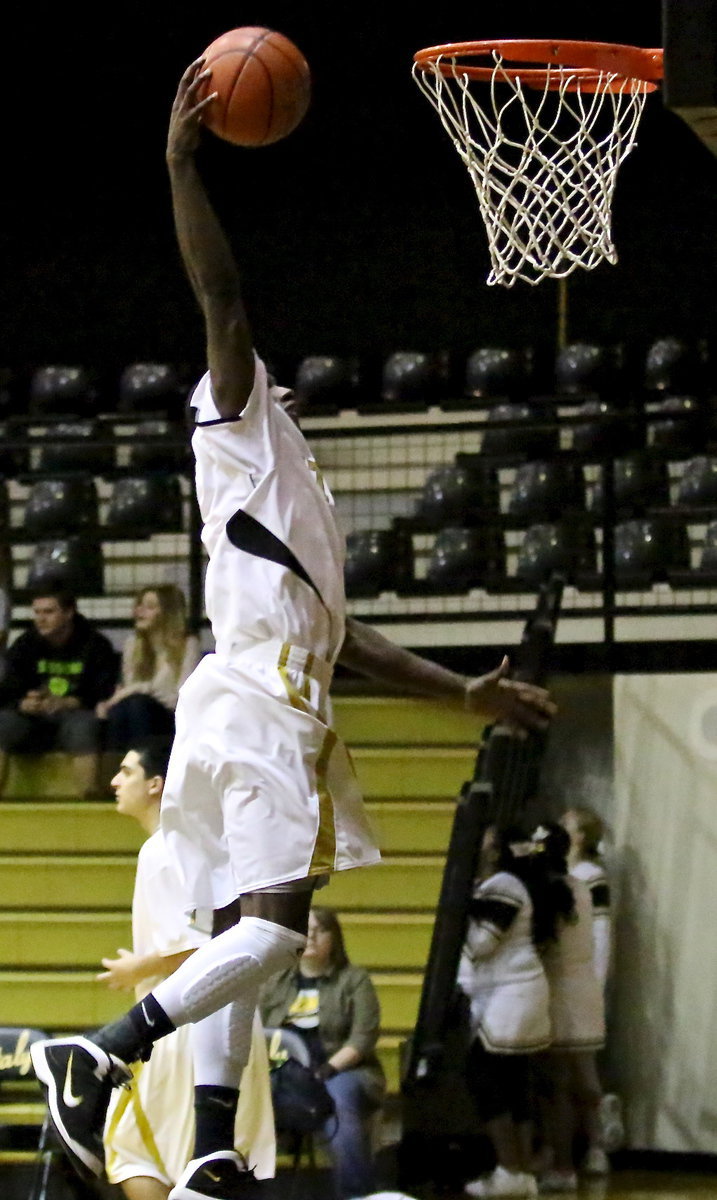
223, 1175
78, 1078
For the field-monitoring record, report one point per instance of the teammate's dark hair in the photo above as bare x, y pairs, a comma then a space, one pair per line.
154, 758
543, 871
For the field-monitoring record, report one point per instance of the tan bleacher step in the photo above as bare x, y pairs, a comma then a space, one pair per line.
412, 826
85, 882
57, 827
397, 882
394, 721
32, 775
425, 772
76, 1000
390, 772
55, 939
81, 881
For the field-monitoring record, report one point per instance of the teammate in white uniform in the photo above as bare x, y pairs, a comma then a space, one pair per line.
149, 1131
261, 798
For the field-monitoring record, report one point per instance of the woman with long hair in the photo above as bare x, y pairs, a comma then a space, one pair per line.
333, 1005
157, 657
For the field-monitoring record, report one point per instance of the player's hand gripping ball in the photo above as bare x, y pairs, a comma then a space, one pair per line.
263, 86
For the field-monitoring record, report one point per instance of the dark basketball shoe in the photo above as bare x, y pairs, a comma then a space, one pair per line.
223, 1175
78, 1077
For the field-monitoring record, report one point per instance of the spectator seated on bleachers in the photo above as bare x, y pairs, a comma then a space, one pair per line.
157, 657
333, 1005
55, 674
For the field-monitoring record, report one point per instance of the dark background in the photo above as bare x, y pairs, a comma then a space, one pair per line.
358, 233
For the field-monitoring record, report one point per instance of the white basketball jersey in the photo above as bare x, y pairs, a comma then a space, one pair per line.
276, 554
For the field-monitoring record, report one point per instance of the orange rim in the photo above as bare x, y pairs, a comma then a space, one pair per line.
587, 61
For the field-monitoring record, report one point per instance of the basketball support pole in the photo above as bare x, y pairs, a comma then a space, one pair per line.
562, 313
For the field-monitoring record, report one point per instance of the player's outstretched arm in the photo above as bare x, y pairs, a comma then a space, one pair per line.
369, 653
206, 252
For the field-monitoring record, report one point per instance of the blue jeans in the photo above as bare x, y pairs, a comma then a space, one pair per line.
357, 1094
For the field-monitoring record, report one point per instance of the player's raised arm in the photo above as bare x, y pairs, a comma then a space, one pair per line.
206, 252
369, 653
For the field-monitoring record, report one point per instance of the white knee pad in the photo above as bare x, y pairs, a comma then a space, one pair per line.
229, 969
221, 1045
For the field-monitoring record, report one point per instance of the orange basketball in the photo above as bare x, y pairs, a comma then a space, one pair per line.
263, 84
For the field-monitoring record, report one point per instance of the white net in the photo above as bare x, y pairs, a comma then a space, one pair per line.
543, 161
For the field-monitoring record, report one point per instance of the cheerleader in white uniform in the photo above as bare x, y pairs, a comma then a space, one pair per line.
501, 973
587, 832
577, 1019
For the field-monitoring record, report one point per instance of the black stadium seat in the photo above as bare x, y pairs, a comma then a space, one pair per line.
589, 369
698, 485
143, 505
678, 424
605, 431
647, 550
81, 445
543, 491
328, 382
707, 571
378, 560
159, 445
516, 439
497, 371
57, 390
74, 562
676, 366
412, 378
464, 558
564, 546
151, 387
458, 494
61, 506
641, 482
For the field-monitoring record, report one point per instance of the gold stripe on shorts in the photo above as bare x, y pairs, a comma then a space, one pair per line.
324, 855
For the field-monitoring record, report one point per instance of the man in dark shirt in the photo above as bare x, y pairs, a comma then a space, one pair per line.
55, 675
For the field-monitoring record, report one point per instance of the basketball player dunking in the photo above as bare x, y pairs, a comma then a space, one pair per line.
260, 799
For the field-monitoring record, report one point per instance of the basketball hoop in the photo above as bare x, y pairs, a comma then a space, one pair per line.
542, 142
